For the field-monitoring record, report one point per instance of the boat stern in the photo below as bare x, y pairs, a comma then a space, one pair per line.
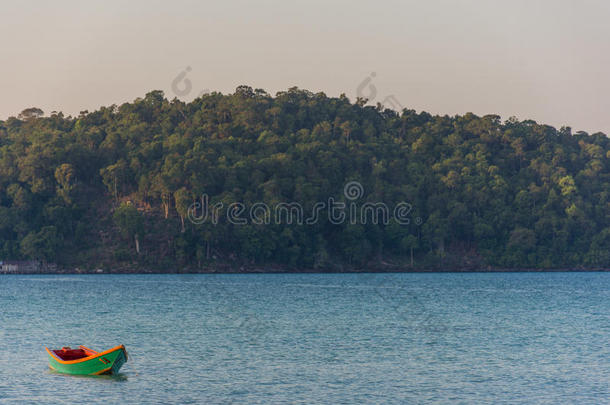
120, 359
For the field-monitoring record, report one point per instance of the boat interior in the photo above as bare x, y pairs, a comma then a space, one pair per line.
67, 353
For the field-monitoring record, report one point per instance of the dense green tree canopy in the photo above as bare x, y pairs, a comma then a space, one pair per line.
115, 186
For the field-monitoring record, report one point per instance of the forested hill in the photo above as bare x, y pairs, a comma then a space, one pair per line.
112, 188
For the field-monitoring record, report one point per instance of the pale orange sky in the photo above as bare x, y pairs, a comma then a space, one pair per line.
541, 60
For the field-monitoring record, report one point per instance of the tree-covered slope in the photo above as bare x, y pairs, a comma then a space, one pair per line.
114, 186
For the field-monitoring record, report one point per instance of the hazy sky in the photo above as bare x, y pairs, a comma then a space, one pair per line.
542, 60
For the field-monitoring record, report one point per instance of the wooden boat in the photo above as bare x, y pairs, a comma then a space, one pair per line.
84, 361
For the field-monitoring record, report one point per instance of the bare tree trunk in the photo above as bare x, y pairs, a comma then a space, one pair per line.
165, 202
137, 244
116, 194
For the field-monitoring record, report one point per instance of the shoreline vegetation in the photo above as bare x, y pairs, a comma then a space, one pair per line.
275, 270
124, 188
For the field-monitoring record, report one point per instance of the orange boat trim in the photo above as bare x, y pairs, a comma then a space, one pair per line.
84, 358
87, 349
102, 371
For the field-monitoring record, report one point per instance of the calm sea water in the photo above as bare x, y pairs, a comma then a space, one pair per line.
313, 338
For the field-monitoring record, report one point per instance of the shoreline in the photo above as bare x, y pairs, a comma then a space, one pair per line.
307, 271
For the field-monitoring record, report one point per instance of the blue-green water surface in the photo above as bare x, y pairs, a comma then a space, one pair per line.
536, 338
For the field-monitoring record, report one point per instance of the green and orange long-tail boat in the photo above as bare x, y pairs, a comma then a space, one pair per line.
85, 361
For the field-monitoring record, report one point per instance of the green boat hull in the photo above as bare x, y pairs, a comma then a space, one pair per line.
108, 362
